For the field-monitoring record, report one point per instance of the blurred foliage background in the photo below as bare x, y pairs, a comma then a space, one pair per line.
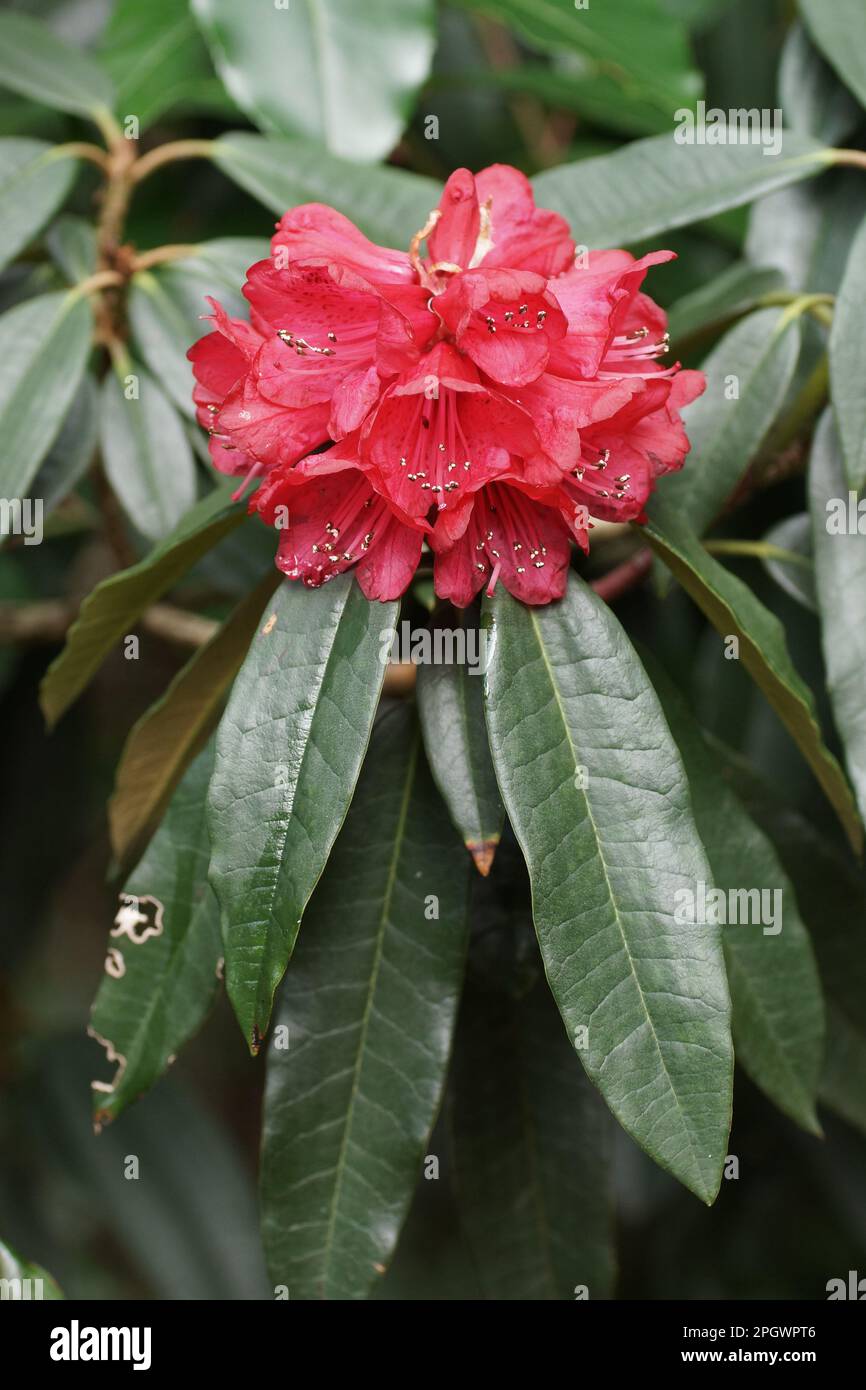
796, 1215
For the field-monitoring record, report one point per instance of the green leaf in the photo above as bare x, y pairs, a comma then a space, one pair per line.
113, 606
839, 30
832, 896
532, 1140
72, 451
637, 49
44, 344
289, 750
71, 242
341, 74
147, 456
34, 181
19, 1279
389, 205
156, 56
369, 1005
847, 352
39, 65
163, 952
597, 796
840, 580
796, 574
757, 357
171, 732
653, 185
451, 707
166, 307
734, 611
726, 296
776, 1001
813, 100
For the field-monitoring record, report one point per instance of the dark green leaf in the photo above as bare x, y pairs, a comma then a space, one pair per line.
289, 750
44, 344
34, 180
840, 580
831, 893
653, 185
451, 707
163, 952
34, 62
755, 360
839, 30
533, 1141
847, 353
389, 205
145, 451
734, 611
171, 732
344, 75
777, 1007
113, 606
594, 787
366, 1012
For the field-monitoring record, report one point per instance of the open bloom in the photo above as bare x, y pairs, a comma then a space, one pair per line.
488, 395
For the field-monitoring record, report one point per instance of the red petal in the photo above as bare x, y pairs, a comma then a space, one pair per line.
318, 234
455, 234
506, 321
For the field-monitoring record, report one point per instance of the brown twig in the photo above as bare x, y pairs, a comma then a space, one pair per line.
49, 620
624, 577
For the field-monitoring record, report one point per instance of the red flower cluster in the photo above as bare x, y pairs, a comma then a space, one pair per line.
489, 397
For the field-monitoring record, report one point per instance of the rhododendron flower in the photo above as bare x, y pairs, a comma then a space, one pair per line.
489, 397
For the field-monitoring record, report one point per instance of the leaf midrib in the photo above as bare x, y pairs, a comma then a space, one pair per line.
613, 902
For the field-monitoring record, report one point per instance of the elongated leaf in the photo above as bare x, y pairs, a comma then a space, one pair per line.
653, 185
163, 951
34, 62
44, 344
113, 606
342, 74
840, 579
755, 360
813, 100
389, 205
777, 1006
366, 1015
34, 181
832, 895
72, 243
796, 575
146, 453
734, 611
639, 47
166, 307
289, 750
847, 352
532, 1139
725, 296
839, 30
171, 732
452, 719
19, 1279
598, 799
